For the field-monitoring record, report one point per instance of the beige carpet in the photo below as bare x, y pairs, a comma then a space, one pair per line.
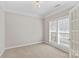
34, 51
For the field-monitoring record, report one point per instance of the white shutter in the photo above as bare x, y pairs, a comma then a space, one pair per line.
53, 32
74, 32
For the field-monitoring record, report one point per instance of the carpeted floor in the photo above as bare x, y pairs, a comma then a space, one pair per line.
34, 51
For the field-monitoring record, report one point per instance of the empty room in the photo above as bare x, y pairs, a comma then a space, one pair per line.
39, 29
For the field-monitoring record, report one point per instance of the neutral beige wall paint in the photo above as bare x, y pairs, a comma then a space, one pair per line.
22, 30
2, 31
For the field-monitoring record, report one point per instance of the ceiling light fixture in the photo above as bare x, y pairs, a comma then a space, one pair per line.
36, 3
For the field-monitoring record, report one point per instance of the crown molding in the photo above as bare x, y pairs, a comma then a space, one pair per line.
22, 13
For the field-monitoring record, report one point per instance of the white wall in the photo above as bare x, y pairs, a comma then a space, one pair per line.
2, 31
22, 30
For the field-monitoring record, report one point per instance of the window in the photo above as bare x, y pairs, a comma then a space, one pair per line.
63, 32
59, 32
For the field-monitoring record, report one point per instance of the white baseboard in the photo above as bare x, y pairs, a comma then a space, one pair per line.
2, 53
23, 45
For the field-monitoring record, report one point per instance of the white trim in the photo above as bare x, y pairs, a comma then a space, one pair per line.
23, 45
2, 53
22, 13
